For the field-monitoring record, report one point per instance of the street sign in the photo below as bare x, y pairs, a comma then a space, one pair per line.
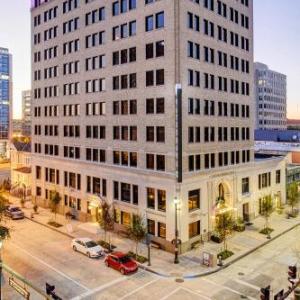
17, 287
207, 259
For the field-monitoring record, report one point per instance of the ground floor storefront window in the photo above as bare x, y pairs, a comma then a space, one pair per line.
194, 229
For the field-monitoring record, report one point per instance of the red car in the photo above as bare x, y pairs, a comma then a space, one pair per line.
121, 262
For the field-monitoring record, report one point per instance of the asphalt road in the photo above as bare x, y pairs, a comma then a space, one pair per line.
42, 255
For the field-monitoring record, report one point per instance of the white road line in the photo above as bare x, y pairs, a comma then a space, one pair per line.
50, 267
198, 293
100, 288
255, 287
170, 294
226, 288
138, 289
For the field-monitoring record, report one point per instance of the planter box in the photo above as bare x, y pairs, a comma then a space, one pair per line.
216, 239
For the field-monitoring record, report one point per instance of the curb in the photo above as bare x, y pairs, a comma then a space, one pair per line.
188, 276
50, 227
206, 273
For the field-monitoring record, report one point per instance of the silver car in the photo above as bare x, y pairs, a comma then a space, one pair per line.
14, 212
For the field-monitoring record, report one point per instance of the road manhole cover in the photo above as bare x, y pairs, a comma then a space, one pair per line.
179, 280
241, 274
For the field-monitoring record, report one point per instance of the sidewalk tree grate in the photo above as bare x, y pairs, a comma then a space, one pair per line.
179, 280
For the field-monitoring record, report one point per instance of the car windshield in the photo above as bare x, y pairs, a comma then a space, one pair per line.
91, 244
124, 259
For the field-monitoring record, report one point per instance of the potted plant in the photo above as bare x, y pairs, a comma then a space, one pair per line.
240, 225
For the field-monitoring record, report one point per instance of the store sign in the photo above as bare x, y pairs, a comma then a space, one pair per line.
17, 287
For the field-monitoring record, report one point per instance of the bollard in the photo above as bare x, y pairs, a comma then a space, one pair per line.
297, 294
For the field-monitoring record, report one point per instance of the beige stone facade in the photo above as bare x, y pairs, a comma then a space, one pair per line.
223, 101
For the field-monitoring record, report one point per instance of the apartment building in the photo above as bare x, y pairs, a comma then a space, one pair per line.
26, 113
270, 89
5, 99
140, 102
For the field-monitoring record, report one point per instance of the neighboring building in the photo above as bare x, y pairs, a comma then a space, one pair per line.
287, 136
280, 148
270, 88
142, 104
5, 99
293, 173
26, 113
20, 157
293, 124
17, 127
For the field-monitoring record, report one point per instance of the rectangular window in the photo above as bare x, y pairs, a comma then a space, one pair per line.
194, 229
194, 199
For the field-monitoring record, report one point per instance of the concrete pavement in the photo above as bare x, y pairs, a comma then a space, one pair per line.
190, 265
42, 255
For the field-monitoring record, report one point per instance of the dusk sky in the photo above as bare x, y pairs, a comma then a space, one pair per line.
276, 43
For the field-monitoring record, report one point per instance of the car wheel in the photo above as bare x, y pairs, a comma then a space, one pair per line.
106, 263
89, 254
74, 248
122, 271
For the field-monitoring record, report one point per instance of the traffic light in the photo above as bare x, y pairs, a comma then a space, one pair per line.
292, 274
265, 293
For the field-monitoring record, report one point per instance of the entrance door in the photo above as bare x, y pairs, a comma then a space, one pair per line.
246, 217
95, 214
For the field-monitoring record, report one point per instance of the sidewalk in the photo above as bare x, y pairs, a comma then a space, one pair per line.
242, 243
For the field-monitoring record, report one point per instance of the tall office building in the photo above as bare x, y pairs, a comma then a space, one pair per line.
270, 88
26, 113
5, 99
143, 102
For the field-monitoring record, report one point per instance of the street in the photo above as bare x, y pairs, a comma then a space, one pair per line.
43, 255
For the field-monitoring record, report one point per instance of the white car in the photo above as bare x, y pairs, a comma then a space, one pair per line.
87, 247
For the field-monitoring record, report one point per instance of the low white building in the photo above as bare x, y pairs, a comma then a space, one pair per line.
20, 155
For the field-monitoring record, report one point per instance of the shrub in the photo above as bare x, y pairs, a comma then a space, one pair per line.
215, 237
266, 230
106, 245
139, 258
239, 227
225, 254
54, 224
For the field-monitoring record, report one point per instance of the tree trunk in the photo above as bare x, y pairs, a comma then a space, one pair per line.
136, 249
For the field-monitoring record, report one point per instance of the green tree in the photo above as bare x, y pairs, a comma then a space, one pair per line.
4, 230
266, 210
224, 226
106, 221
55, 199
293, 195
137, 230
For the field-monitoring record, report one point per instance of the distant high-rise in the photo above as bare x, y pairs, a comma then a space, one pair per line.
270, 98
5, 98
26, 112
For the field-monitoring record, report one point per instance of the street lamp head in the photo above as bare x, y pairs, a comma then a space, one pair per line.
176, 200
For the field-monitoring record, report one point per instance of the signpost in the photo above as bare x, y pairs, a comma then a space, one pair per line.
17, 287
207, 259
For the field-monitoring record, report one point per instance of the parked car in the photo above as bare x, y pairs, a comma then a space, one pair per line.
87, 247
121, 262
14, 212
